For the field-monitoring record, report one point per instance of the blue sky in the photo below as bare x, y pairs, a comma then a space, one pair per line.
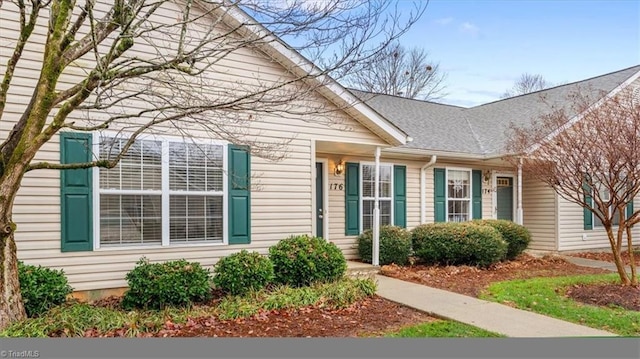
484, 46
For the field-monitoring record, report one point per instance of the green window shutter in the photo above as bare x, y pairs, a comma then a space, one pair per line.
440, 194
76, 194
352, 199
586, 213
630, 208
239, 170
476, 194
400, 196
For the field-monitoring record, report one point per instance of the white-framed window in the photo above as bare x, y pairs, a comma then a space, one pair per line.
605, 195
367, 194
163, 191
458, 194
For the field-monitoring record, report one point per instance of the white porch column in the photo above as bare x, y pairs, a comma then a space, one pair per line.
519, 218
376, 212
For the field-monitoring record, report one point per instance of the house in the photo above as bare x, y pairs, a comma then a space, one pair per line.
167, 200
469, 144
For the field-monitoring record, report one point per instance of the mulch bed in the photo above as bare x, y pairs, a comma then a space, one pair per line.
370, 317
608, 256
471, 281
627, 297
375, 316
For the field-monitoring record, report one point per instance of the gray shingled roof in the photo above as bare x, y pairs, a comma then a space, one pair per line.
482, 129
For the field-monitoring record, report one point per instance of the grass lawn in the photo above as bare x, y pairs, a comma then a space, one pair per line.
443, 329
546, 296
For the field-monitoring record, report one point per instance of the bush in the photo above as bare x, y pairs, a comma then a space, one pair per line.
302, 260
242, 272
41, 288
458, 244
395, 245
174, 283
516, 236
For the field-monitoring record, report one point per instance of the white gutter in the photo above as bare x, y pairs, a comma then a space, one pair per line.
376, 213
423, 184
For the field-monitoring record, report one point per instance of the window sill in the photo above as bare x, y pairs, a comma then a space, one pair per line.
157, 247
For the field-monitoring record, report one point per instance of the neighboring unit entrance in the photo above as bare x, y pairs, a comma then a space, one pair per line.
504, 194
319, 200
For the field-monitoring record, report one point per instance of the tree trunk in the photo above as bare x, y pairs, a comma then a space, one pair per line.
11, 306
624, 277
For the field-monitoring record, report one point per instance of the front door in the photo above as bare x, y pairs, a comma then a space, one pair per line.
505, 198
319, 200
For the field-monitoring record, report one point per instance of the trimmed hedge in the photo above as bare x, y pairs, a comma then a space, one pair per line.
301, 260
242, 272
41, 288
395, 245
517, 236
159, 285
458, 244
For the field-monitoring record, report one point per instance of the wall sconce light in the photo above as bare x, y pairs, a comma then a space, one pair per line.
339, 168
486, 176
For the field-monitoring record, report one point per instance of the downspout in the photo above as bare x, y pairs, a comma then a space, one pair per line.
519, 219
423, 184
376, 212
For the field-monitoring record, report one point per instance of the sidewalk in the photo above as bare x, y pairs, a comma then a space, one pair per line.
593, 263
491, 316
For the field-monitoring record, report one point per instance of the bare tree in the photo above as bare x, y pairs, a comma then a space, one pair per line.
527, 83
401, 72
590, 160
136, 65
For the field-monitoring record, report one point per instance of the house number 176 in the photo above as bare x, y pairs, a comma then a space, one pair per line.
336, 186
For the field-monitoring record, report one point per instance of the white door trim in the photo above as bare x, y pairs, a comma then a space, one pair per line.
325, 198
494, 193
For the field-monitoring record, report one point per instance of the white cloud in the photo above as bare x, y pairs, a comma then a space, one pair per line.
444, 21
469, 28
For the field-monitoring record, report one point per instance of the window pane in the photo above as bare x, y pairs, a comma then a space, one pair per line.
385, 213
139, 168
367, 213
195, 218
195, 167
458, 211
130, 219
458, 184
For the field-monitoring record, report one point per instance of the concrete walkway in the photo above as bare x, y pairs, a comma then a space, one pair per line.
584, 262
487, 315
491, 316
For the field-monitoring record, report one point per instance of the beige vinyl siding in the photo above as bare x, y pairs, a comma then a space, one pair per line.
539, 213
281, 194
573, 236
336, 214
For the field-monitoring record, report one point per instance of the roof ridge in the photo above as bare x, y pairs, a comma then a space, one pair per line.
558, 86
405, 98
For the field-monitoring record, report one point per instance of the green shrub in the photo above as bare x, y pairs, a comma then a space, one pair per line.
242, 272
301, 260
458, 244
516, 236
395, 245
41, 288
174, 283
